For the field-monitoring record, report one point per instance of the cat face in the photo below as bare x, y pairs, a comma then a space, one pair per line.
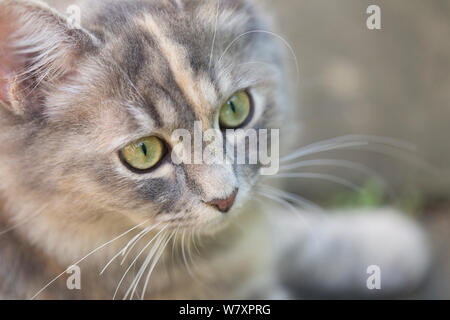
89, 114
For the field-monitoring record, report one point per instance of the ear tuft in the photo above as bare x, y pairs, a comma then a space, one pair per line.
37, 47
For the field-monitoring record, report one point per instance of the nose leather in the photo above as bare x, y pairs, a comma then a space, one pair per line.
224, 205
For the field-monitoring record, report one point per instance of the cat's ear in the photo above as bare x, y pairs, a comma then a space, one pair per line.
37, 47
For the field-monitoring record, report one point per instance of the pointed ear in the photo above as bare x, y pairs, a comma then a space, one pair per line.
37, 48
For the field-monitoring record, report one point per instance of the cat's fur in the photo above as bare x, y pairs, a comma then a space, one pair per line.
71, 98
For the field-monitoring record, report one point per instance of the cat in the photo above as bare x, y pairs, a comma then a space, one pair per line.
87, 114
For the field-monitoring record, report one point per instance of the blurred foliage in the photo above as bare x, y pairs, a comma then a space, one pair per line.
373, 195
411, 201
370, 196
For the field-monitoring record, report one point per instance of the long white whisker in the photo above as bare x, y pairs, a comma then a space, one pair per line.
199, 240
297, 67
294, 198
227, 70
190, 255
111, 261
140, 236
183, 251
285, 203
155, 261
133, 242
88, 255
174, 242
329, 162
126, 77
134, 261
347, 142
24, 221
141, 271
317, 176
413, 159
214, 36
339, 163
313, 149
193, 240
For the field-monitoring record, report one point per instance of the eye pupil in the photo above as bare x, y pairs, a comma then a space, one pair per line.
144, 148
233, 107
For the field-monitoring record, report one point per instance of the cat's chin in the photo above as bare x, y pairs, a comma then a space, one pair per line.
220, 222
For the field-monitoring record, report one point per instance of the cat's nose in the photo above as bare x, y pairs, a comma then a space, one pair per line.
224, 205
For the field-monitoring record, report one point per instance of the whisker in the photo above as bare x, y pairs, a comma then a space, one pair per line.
24, 221
317, 176
199, 239
126, 77
313, 149
136, 258
185, 259
135, 283
184, 254
342, 164
286, 43
88, 255
263, 63
194, 237
214, 36
190, 255
273, 70
142, 234
155, 261
174, 242
286, 204
329, 162
125, 248
348, 142
149, 258
294, 198
413, 159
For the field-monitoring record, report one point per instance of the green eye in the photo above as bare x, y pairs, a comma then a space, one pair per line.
236, 111
144, 154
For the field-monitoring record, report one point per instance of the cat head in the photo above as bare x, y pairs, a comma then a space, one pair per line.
88, 113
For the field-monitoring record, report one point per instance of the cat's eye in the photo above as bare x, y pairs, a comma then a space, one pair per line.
144, 154
236, 111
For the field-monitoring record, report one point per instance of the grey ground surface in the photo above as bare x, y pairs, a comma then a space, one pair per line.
392, 82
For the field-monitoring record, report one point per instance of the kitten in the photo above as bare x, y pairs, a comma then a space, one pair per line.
86, 121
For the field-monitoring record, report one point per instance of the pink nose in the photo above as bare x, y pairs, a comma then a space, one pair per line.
224, 205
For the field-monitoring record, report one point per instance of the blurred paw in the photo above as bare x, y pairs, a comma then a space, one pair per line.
376, 254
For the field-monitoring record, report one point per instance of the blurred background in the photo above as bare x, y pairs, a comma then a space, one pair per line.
393, 82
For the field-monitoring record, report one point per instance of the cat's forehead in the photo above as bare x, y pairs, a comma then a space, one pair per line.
200, 36
175, 54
